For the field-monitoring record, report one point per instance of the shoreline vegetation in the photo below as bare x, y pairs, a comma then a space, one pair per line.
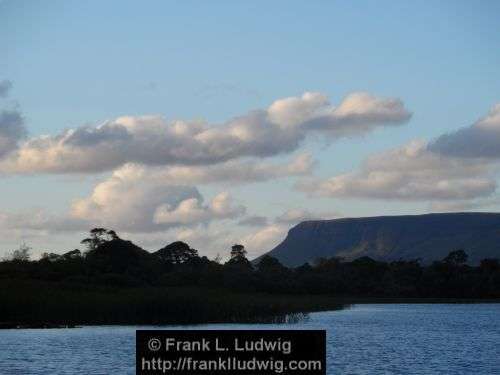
54, 307
115, 282
277, 316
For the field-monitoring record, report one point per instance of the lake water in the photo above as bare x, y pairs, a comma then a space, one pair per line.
365, 339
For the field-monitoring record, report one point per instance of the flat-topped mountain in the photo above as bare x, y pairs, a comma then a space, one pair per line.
428, 237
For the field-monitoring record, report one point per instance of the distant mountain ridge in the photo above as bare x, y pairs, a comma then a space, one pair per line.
428, 237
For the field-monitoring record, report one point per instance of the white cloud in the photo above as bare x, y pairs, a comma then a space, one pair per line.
359, 113
458, 166
187, 212
222, 205
234, 171
480, 140
138, 198
264, 239
151, 140
411, 173
128, 201
134, 199
294, 111
192, 211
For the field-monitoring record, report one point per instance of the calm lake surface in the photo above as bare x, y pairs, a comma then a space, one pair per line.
365, 339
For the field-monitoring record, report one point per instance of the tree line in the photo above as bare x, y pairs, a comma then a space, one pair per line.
109, 260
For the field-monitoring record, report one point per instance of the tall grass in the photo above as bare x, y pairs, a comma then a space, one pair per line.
43, 303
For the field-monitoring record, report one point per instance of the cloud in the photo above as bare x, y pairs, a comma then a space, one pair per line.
192, 211
410, 173
234, 171
253, 221
297, 215
264, 239
12, 130
128, 202
135, 200
449, 170
463, 206
5, 87
38, 220
358, 113
480, 140
153, 141
139, 198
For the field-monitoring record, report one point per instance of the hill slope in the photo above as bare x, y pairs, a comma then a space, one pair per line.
429, 237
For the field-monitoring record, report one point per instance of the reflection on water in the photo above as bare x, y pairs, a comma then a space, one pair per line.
365, 339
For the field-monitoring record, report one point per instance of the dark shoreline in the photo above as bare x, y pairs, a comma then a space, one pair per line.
346, 303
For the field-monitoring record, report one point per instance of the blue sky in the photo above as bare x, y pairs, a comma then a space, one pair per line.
74, 63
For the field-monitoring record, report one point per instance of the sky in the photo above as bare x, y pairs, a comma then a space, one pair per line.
221, 122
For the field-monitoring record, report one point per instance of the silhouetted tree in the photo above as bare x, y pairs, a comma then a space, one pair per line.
111, 234
456, 258
177, 253
238, 251
119, 263
218, 259
238, 258
73, 254
21, 254
97, 237
270, 265
50, 257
